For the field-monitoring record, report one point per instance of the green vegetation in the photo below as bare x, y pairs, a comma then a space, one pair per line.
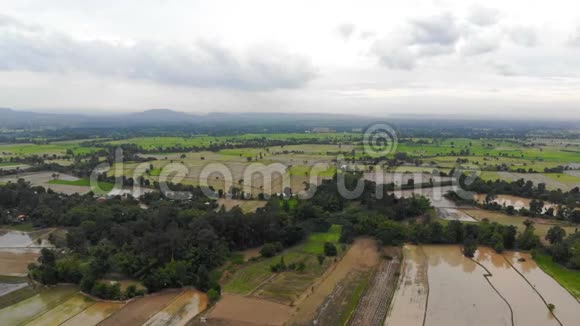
568, 278
105, 186
361, 287
316, 241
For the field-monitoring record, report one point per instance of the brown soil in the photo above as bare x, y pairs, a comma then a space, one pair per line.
251, 253
15, 262
236, 310
362, 255
373, 306
137, 312
410, 301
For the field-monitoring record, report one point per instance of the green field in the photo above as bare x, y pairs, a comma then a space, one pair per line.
250, 278
105, 186
204, 141
568, 278
22, 150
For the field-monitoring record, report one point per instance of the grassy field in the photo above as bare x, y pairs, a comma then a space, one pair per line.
541, 225
257, 277
204, 140
568, 278
315, 243
105, 186
21, 150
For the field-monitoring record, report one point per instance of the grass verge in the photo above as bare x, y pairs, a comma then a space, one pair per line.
569, 279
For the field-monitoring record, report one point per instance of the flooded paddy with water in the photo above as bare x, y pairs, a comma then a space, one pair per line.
439, 286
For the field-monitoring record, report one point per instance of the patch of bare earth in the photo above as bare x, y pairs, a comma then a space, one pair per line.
361, 256
374, 304
240, 310
137, 312
15, 261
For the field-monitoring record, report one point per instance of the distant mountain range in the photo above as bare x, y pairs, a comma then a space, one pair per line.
14, 119
162, 117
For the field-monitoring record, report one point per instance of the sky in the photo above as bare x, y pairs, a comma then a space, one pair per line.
511, 59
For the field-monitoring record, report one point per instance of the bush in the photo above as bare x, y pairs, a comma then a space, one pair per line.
271, 249
330, 249
213, 295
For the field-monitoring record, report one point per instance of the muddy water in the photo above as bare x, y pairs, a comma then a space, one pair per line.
459, 294
14, 239
435, 194
410, 300
94, 314
527, 306
567, 307
63, 312
32, 307
181, 310
515, 201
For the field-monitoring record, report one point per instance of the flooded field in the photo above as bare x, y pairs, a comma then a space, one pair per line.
138, 311
6, 288
63, 312
439, 286
181, 310
453, 214
526, 304
236, 309
567, 307
459, 293
94, 314
435, 194
410, 300
515, 201
29, 309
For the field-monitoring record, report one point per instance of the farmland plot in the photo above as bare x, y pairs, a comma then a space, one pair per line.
459, 293
236, 310
361, 256
410, 300
181, 310
63, 312
527, 306
372, 307
94, 314
29, 309
567, 306
138, 311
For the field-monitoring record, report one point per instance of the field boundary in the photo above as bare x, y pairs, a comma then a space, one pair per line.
487, 276
428, 287
534, 288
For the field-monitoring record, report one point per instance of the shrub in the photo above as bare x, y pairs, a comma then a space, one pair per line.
330, 249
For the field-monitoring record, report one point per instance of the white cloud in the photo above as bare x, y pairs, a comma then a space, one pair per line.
574, 39
483, 16
394, 56
346, 30
524, 36
438, 29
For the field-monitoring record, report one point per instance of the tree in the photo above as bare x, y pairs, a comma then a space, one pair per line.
271, 249
469, 247
330, 249
555, 234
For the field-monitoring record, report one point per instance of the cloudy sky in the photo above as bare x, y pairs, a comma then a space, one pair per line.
508, 58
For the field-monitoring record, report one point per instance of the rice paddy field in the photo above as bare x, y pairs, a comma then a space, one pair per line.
64, 305
256, 279
490, 289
